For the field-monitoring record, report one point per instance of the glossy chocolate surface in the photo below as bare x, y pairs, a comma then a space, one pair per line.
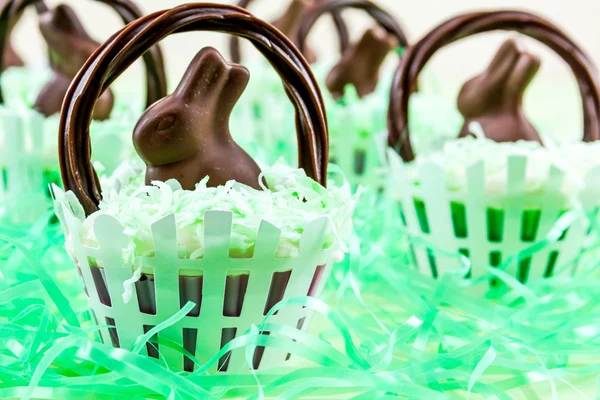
467, 25
361, 62
115, 55
69, 48
494, 99
186, 137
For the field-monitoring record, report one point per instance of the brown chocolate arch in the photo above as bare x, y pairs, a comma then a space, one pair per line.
466, 25
156, 81
338, 21
127, 45
381, 17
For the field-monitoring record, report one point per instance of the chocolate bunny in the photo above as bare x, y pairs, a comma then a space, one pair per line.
495, 98
186, 137
360, 64
69, 48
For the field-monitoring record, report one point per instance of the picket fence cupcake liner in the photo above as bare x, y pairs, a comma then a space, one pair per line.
489, 226
29, 148
491, 202
232, 289
234, 250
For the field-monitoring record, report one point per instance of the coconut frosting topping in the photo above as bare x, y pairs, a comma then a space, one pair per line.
289, 202
575, 159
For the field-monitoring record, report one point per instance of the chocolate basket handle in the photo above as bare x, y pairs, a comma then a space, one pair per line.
338, 21
156, 81
118, 53
382, 17
471, 24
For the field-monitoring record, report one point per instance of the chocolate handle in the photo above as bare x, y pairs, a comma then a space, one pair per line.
156, 81
382, 17
466, 25
338, 21
118, 53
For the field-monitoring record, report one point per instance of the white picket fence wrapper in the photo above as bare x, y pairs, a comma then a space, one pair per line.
427, 214
266, 279
362, 158
23, 195
29, 160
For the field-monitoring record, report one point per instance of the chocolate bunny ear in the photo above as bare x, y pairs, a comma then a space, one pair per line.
289, 23
210, 78
360, 64
70, 46
494, 98
63, 19
186, 135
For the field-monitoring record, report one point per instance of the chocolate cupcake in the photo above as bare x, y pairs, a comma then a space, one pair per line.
198, 220
501, 186
31, 99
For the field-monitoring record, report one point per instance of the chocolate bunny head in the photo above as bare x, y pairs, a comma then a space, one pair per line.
69, 48
495, 98
186, 137
360, 64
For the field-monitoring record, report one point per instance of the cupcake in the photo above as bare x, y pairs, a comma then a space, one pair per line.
31, 100
357, 101
198, 220
499, 189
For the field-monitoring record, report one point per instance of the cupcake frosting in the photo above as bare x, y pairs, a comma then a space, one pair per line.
576, 160
292, 200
